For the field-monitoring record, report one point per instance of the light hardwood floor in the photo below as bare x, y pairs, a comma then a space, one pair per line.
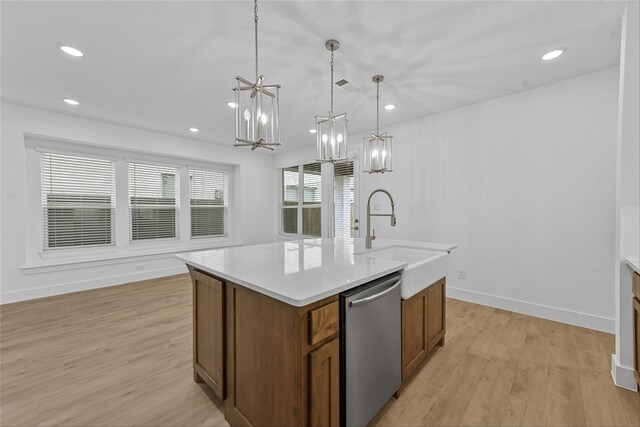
122, 356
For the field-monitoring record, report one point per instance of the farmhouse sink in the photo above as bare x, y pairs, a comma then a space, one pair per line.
424, 267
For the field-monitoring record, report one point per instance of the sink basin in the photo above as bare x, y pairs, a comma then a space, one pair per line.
424, 267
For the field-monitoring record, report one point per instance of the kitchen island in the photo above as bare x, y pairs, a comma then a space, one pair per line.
266, 324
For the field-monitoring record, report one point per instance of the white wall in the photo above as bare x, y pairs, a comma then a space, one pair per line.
627, 194
254, 177
525, 184
629, 134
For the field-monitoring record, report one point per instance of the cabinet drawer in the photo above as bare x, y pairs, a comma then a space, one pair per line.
636, 285
323, 323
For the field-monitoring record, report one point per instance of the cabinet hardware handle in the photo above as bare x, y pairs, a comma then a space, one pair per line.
374, 297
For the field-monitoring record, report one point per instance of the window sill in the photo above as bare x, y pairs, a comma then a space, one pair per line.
62, 253
286, 236
70, 260
151, 244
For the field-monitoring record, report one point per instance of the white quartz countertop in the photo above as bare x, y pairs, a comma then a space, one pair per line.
634, 264
300, 272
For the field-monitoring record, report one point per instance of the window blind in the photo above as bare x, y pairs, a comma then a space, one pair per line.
153, 201
312, 216
290, 186
312, 184
208, 198
290, 198
78, 201
302, 200
312, 221
343, 199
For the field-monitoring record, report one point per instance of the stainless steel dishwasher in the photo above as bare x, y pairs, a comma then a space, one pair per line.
370, 349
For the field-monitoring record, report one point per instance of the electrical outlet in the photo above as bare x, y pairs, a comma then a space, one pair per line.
461, 274
140, 267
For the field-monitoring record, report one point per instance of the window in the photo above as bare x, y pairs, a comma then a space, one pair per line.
290, 193
302, 199
312, 210
78, 201
153, 202
343, 199
208, 202
91, 203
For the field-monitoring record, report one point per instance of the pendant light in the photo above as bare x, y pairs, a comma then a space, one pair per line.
331, 130
257, 107
377, 147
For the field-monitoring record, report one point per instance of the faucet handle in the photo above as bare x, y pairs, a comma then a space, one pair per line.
373, 235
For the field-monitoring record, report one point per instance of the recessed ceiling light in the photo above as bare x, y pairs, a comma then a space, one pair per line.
232, 104
553, 54
389, 107
194, 130
70, 50
312, 131
71, 101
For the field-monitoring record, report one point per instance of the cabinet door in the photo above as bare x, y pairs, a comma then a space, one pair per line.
324, 385
436, 301
414, 332
636, 338
208, 333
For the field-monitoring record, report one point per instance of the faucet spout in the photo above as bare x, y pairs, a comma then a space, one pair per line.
370, 238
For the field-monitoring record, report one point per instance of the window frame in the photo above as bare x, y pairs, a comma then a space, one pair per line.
301, 204
225, 206
36, 258
327, 200
283, 206
177, 207
44, 217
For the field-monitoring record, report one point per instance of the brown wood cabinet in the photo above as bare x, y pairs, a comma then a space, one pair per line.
436, 314
423, 325
208, 331
636, 325
272, 363
323, 322
324, 385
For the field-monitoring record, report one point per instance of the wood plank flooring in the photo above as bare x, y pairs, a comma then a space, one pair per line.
500, 368
121, 356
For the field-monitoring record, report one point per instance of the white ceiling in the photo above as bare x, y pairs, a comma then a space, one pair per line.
170, 65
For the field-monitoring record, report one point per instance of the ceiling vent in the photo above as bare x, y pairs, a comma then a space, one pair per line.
347, 86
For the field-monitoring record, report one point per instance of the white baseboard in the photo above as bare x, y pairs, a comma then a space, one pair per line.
83, 285
584, 320
622, 375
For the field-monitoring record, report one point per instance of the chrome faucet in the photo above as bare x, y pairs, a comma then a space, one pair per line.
370, 238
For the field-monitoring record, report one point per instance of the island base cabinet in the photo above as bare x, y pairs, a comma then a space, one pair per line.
436, 314
636, 326
208, 331
275, 376
324, 385
414, 332
423, 325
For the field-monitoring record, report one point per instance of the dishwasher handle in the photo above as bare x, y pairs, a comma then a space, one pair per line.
375, 296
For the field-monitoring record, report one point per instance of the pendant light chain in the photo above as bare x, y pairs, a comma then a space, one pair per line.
331, 82
377, 108
255, 24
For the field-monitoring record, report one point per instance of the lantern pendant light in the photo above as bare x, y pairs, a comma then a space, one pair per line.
257, 107
331, 130
377, 147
